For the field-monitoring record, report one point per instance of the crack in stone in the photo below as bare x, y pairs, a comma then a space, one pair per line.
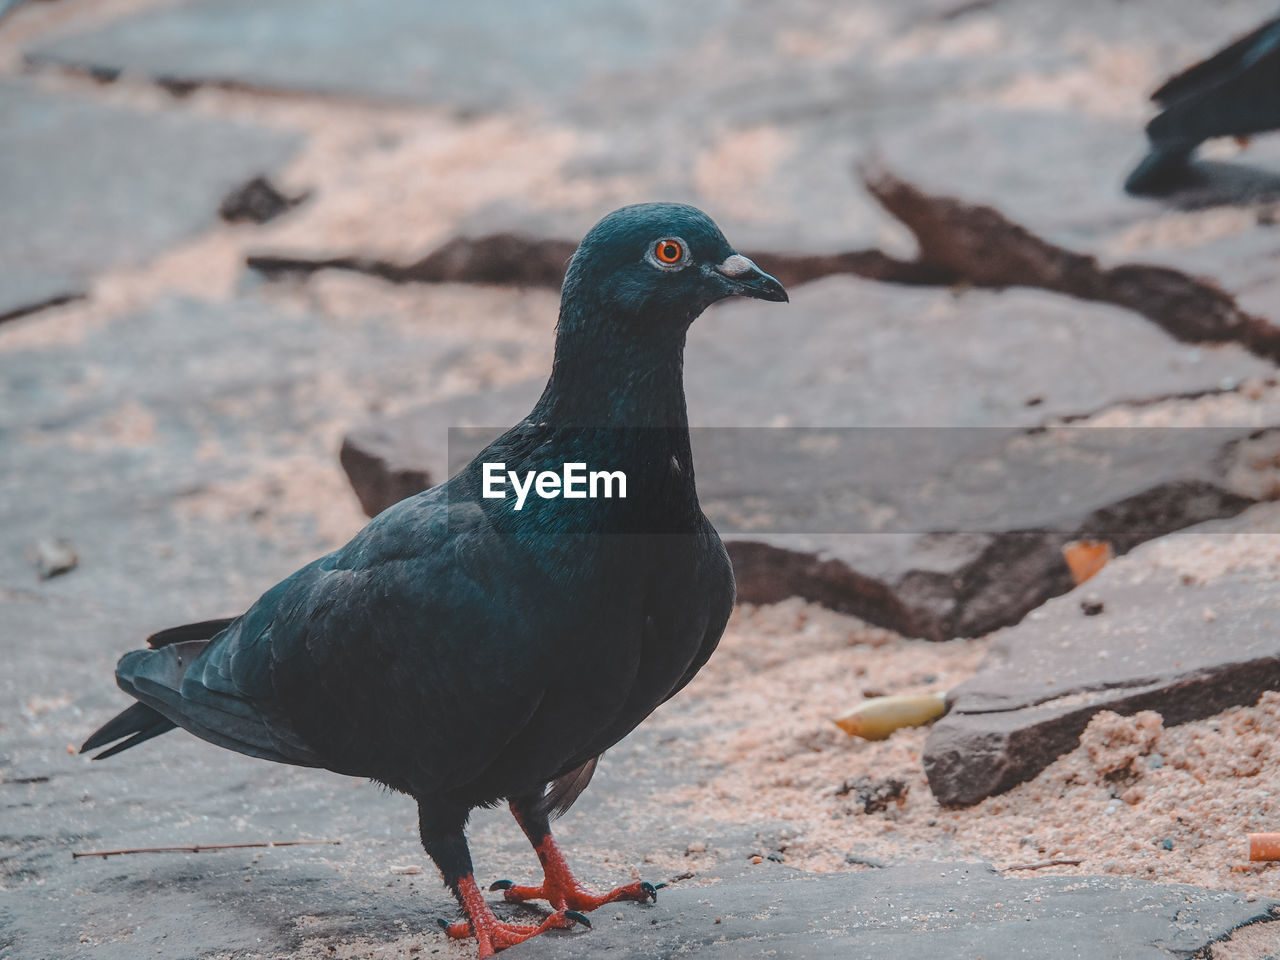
959, 243
1067, 699
519, 259
29, 308
978, 245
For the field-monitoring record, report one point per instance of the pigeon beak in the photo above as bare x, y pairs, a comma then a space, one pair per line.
748, 280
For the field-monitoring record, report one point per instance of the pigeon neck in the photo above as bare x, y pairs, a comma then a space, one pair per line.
599, 382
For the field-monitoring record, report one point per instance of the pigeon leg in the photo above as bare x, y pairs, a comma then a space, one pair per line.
446, 844
560, 887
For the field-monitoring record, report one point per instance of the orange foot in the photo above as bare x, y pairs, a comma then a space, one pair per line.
490, 933
561, 889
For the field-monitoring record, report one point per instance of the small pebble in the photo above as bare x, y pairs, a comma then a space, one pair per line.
405, 870
1167, 843
1091, 607
52, 556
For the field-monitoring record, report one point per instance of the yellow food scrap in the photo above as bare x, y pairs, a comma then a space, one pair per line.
877, 718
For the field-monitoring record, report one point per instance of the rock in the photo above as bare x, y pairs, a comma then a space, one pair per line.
52, 556
1150, 648
939, 532
393, 458
95, 186
875, 795
256, 202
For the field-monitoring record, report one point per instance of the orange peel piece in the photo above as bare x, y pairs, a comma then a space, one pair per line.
1086, 557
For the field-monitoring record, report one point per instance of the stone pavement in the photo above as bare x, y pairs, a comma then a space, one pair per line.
179, 421
938, 510
60, 157
1141, 635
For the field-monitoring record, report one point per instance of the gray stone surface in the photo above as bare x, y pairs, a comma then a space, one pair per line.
1054, 175
640, 83
470, 57
184, 417
914, 520
179, 790
177, 448
1162, 641
917, 912
660, 89
85, 186
186, 449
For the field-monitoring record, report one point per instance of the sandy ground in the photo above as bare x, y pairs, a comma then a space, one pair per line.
1135, 799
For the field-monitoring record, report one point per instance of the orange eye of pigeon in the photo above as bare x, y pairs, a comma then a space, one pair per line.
668, 251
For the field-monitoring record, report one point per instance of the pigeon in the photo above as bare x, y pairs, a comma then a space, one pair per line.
466, 652
1234, 93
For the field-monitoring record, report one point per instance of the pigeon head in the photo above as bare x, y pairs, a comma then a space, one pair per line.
636, 282
656, 265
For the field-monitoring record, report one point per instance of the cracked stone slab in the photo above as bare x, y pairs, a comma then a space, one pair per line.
187, 490
287, 901
918, 911
665, 66
917, 529
181, 791
96, 186
182, 412
1164, 640
467, 57
1058, 174
770, 104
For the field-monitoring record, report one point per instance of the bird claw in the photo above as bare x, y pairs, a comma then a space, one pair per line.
500, 885
577, 917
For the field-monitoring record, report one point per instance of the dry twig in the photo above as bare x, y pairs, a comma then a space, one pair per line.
1044, 863
202, 847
